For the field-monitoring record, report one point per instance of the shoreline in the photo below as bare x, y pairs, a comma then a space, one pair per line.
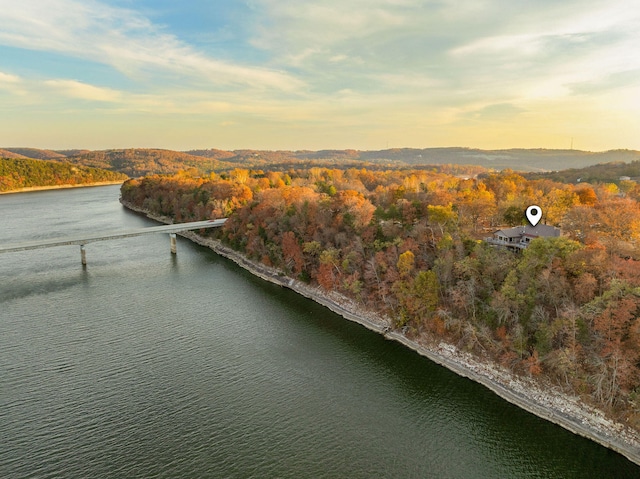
552, 405
28, 189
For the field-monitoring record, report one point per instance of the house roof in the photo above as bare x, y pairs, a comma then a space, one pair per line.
510, 232
528, 230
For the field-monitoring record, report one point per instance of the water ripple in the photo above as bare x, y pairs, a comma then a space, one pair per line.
144, 365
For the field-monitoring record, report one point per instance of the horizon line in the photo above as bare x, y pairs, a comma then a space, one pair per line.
55, 150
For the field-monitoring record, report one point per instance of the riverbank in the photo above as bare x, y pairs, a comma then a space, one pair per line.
548, 403
60, 187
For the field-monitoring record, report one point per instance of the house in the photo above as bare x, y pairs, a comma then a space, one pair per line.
519, 237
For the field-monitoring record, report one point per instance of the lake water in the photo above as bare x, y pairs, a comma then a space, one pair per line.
145, 364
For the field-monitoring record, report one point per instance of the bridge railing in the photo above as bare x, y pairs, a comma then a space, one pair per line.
84, 239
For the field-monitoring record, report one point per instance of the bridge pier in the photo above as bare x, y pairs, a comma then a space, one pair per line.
85, 239
172, 239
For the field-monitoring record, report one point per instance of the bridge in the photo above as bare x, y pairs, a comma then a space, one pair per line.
82, 240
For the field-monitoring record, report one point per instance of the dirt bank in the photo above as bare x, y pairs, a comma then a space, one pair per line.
547, 403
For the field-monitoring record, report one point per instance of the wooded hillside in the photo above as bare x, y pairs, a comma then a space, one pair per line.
19, 173
409, 244
36, 153
600, 173
140, 162
515, 159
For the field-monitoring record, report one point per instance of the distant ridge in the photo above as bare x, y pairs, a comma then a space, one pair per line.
612, 172
212, 153
517, 159
36, 154
136, 162
4, 153
72, 152
145, 161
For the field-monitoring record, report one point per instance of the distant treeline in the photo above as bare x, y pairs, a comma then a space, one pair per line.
137, 162
16, 173
144, 162
514, 159
600, 173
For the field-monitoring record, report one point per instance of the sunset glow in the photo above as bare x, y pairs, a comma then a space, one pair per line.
310, 75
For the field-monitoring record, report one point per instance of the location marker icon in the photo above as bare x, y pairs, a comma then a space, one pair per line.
534, 213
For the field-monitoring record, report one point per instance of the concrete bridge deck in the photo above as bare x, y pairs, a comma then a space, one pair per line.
83, 239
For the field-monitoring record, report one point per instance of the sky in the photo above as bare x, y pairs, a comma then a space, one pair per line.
274, 74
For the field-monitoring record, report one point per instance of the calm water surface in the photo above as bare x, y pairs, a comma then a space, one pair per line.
148, 365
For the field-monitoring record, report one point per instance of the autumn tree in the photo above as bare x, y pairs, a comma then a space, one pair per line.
476, 204
618, 330
292, 252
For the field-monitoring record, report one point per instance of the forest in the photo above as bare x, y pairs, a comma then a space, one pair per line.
16, 173
145, 161
409, 243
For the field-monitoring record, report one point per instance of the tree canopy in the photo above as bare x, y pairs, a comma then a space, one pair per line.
408, 243
19, 173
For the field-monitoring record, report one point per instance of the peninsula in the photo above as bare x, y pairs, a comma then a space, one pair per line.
26, 174
552, 329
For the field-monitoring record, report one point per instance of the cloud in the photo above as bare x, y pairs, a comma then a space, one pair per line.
123, 39
557, 48
495, 112
522, 44
13, 84
288, 29
9, 79
83, 91
332, 20
487, 51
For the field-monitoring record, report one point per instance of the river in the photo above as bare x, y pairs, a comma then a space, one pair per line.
145, 364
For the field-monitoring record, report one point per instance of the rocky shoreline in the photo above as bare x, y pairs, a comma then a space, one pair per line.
550, 404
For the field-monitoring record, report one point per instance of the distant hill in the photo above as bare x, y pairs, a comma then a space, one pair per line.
516, 159
284, 159
212, 153
144, 161
10, 154
72, 152
16, 173
141, 162
600, 173
36, 153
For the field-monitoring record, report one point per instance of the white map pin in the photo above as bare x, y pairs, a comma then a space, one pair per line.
534, 213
